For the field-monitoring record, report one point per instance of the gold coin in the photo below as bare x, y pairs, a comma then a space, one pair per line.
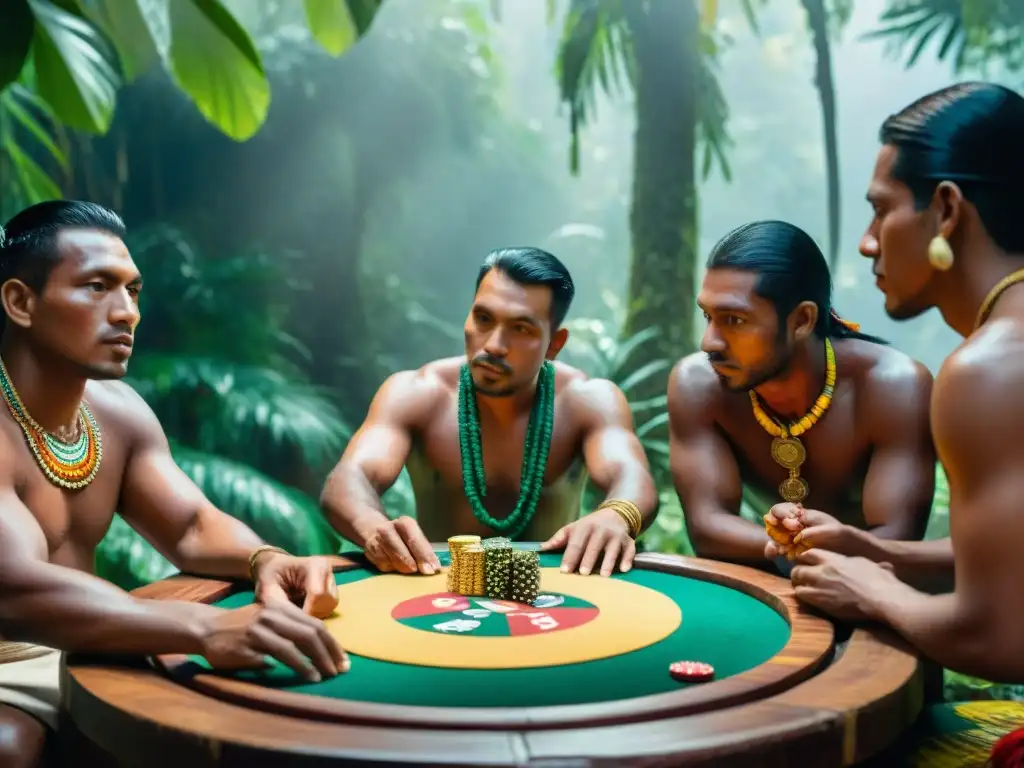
794, 489
789, 452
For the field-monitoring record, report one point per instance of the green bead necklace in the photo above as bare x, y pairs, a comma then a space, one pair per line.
535, 453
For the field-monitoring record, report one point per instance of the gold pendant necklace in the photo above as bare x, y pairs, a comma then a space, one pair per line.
787, 450
994, 294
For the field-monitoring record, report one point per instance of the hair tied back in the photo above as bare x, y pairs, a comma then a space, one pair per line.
855, 327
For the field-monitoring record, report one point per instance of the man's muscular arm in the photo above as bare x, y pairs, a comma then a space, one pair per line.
372, 461
978, 421
705, 472
612, 451
617, 465
163, 504
70, 610
900, 481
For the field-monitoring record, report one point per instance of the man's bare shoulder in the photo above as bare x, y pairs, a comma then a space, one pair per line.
694, 386
119, 403
978, 403
124, 413
575, 384
600, 398
437, 374
412, 395
985, 374
889, 378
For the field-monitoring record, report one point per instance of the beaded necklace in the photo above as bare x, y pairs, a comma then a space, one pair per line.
70, 464
787, 450
535, 453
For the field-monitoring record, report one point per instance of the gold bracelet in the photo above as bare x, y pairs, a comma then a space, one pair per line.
256, 553
629, 512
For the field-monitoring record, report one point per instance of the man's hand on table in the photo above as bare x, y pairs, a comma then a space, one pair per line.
284, 579
399, 545
244, 638
813, 529
843, 587
601, 532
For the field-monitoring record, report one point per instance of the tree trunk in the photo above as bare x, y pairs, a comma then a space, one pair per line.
663, 219
817, 21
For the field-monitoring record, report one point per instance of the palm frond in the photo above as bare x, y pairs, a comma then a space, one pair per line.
969, 34
249, 412
595, 54
278, 514
712, 113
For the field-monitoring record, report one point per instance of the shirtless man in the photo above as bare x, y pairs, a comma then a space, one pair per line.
946, 233
77, 444
764, 364
513, 331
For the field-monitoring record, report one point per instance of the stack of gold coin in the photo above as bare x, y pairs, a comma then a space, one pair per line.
456, 544
471, 570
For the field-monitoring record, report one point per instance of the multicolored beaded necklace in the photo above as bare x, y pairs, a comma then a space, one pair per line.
535, 453
70, 464
787, 451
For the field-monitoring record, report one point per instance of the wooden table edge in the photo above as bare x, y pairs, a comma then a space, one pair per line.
808, 648
894, 704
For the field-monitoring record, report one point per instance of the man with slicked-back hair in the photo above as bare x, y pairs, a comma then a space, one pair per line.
948, 233
796, 404
499, 441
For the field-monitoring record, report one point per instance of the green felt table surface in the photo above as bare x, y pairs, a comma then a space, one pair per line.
721, 626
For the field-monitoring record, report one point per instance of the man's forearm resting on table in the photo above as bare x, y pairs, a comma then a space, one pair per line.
721, 535
216, 545
73, 611
941, 628
351, 504
926, 565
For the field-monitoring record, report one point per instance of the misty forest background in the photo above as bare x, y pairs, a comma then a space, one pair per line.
310, 187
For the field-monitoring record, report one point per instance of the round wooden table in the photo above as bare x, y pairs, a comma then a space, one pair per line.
787, 693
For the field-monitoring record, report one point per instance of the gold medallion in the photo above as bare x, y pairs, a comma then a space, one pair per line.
789, 452
794, 489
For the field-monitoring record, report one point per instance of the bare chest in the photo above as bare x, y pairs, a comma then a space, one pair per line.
503, 451
73, 522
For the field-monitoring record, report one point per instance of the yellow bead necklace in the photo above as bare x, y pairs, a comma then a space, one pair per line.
787, 450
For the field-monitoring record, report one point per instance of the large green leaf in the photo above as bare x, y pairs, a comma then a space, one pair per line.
34, 184
595, 51
75, 68
331, 24
128, 23
212, 58
15, 39
21, 132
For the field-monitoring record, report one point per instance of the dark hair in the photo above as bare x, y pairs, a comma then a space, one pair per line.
791, 268
28, 242
970, 134
532, 266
